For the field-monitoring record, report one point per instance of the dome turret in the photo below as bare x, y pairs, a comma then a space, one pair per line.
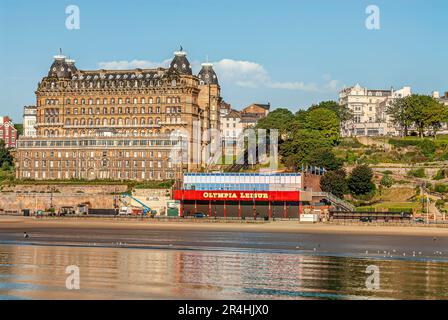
180, 63
60, 68
207, 75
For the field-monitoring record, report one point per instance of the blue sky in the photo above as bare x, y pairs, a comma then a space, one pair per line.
290, 53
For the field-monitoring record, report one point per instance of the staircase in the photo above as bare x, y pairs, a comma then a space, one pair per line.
341, 205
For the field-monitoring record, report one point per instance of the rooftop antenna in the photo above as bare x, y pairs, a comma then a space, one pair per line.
206, 58
181, 49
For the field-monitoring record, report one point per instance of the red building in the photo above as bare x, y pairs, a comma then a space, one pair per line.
7, 132
242, 195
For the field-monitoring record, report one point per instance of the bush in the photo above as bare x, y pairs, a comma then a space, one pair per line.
417, 173
441, 188
440, 174
360, 181
387, 181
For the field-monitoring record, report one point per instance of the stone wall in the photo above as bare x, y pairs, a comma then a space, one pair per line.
40, 197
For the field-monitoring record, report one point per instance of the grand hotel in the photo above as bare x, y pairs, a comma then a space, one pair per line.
117, 124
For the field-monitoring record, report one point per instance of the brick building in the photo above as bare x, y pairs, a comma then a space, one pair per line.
119, 124
7, 132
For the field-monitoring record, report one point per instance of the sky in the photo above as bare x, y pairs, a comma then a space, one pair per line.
288, 53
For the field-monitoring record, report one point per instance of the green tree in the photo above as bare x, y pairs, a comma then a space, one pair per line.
400, 114
299, 145
334, 182
426, 112
343, 113
324, 157
279, 119
325, 121
19, 128
360, 180
6, 158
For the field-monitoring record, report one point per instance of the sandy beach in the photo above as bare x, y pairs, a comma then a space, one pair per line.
277, 226
277, 236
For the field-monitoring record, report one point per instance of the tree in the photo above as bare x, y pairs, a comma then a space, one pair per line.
279, 119
6, 159
343, 113
299, 145
325, 121
400, 114
360, 180
19, 128
325, 158
334, 182
426, 112
422, 111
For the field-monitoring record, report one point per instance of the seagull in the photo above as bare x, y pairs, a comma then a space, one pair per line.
25, 235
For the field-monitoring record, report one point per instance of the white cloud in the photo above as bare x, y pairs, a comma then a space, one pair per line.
241, 73
253, 75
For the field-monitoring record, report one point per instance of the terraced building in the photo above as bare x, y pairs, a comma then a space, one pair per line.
119, 124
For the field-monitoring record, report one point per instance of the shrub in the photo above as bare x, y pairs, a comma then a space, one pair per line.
387, 181
440, 174
441, 188
417, 173
360, 180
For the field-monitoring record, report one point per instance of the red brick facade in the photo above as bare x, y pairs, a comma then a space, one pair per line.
7, 132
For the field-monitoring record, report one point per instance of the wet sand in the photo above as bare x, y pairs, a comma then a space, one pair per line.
275, 236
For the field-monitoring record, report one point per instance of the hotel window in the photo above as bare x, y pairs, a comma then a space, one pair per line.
120, 101
75, 101
67, 101
135, 110
112, 101
150, 101
143, 100
158, 100
104, 101
135, 100
83, 101
158, 110
128, 101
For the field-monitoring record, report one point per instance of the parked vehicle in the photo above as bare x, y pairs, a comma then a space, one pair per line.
200, 215
419, 220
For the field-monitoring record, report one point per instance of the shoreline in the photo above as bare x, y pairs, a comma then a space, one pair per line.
8, 222
329, 240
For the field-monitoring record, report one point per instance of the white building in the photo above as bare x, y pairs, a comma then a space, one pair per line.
29, 121
369, 111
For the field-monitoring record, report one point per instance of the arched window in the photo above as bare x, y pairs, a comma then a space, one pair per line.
157, 120
112, 121
104, 122
128, 121
68, 102
142, 121
150, 121
142, 110
135, 121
